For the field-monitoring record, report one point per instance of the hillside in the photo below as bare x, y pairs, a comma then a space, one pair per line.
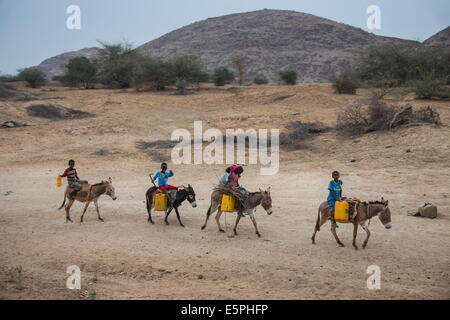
440, 38
55, 66
270, 41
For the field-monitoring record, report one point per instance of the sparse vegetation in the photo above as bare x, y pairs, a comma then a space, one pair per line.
187, 69
33, 76
80, 71
344, 83
260, 79
222, 76
298, 132
420, 69
239, 65
372, 114
15, 274
288, 77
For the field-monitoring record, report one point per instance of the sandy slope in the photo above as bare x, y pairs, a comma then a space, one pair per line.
125, 257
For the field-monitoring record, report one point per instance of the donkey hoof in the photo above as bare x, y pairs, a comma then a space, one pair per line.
182, 225
341, 245
356, 248
203, 227
258, 234
101, 219
221, 230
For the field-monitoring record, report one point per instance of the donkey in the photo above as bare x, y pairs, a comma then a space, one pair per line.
253, 200
87, 194
180, 196
364, 211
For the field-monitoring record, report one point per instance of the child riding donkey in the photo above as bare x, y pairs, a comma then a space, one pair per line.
163, 176
73, 180
231, 179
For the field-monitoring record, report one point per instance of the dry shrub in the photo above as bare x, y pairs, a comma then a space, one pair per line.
372, 114
298, 132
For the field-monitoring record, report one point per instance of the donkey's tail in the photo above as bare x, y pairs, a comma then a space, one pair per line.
64, 202
318, 221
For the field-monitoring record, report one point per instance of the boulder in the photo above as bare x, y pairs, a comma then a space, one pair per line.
428, 210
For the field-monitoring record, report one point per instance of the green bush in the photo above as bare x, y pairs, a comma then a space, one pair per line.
187, 69
222, 76
154, 71
288, 77
33, 76
344, 83
80, 71
429, 87
117, 65
260, 79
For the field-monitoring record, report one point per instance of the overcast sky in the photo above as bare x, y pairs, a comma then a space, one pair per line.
31, 31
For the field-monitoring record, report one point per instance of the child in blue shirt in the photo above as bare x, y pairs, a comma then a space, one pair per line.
335, 194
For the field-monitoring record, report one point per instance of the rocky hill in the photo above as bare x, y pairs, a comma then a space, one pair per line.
269, 40
55, 66
440, 38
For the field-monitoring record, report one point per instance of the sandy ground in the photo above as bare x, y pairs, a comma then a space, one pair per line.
125, 257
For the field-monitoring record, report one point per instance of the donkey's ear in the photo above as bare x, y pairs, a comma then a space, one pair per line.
382, 199
261, 190
386, 203
269, 189
189, 186
110, 180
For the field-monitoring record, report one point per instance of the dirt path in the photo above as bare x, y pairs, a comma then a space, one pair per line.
127, 258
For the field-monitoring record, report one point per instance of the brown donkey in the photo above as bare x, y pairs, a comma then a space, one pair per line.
87, 194
364, 212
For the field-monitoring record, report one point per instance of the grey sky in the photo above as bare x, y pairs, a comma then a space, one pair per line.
31, 31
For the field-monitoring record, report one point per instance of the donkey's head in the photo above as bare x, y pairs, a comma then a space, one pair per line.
385, 214
266, 201
109, 189
191, 195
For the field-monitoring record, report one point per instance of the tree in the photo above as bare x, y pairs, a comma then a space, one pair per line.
288, 77
154, 71
239, 65
80, 70
34, 76
117, 65
344, 83
186, 69
222, 76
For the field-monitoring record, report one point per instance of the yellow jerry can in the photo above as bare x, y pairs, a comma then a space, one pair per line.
341, 211
228, 203
58, 181
160, 203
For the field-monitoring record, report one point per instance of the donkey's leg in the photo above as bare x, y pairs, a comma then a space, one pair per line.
355, 233
149, 209
84, 211
368, 235
254, 224
218, 214
98, 212
67, 207
178, 217
167, 215
212, 208
323, 220
333, 231
236, 224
